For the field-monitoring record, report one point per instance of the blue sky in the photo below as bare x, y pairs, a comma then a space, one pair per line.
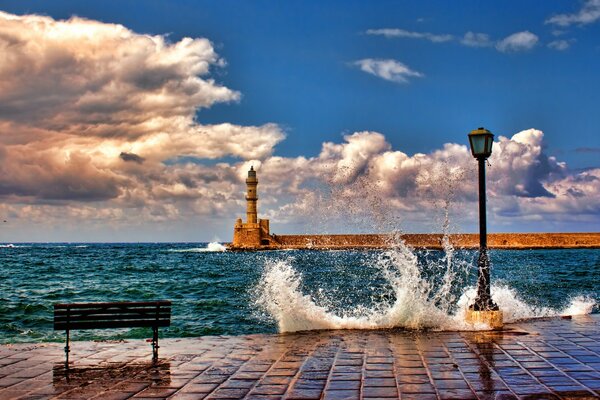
136, 133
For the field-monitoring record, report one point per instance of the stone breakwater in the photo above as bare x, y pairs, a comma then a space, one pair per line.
512, 241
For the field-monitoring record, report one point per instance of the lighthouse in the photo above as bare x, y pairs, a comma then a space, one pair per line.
254, 233
251, 197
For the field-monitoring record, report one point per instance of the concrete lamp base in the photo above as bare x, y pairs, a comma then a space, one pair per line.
491, 318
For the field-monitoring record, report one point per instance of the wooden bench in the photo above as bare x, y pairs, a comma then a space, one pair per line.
153, 314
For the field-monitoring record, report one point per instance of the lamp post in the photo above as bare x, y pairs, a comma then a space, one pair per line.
484, 310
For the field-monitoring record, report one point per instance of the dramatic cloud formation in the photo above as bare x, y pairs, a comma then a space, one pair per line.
401, 33
589, 13
520, 41
365, 176
79, 97
98, 130
472, 39
390, 70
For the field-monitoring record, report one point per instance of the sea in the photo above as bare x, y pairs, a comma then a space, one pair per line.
220, 292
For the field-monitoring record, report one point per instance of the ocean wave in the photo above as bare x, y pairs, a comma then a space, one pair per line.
212, 247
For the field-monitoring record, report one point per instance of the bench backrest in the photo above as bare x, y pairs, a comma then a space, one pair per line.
112, 315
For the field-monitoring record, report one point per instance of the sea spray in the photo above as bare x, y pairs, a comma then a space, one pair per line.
514, 308
421, 293
212, 247
414, 300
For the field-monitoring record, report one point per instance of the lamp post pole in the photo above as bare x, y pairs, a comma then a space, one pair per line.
483, 310
483, 302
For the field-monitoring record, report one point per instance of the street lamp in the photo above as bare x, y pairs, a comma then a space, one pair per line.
484, 309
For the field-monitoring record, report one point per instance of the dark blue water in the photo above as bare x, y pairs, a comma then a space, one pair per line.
213, 293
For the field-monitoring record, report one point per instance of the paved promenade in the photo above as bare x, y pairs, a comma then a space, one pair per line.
545, 359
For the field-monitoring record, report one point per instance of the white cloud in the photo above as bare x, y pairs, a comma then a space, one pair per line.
589, 13
387, 69
520, 41
81, 99
473, 39
560, 45
401, 33
367, 179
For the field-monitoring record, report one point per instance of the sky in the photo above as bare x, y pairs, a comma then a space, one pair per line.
137, 121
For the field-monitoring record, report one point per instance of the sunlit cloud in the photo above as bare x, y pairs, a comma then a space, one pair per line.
90, 111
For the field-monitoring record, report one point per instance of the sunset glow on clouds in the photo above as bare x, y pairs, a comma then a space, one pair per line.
98, 127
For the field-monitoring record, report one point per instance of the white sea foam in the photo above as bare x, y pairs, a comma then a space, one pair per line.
212, 247
417, 304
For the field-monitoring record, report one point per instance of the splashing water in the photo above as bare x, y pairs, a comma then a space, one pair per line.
212, 247
422, 295
430, 293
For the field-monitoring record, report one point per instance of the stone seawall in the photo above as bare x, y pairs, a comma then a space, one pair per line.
434, 241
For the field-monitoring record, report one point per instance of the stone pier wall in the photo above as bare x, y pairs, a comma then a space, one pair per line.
434, 241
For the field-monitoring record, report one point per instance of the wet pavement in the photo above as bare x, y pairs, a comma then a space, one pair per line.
542, 359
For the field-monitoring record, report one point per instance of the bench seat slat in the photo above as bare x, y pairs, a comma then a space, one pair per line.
112, 304
111, 324
112, 312
100, 318
84, 309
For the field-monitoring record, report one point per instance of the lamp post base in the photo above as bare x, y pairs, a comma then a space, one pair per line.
493, 318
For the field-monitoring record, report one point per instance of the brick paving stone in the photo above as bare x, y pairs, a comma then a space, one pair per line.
379, 374
380, 382
345, 376
304, 395
269, 389
380, 392
420, 396
341, 395
343, 385
275, 380
224, 393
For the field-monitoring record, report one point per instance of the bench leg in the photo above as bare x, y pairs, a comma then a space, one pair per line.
67, 350
154, 343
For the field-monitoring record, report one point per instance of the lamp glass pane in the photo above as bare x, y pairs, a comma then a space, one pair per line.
489, 143
478, 144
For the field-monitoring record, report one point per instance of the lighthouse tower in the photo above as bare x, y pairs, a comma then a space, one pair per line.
254, 233
251, 197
